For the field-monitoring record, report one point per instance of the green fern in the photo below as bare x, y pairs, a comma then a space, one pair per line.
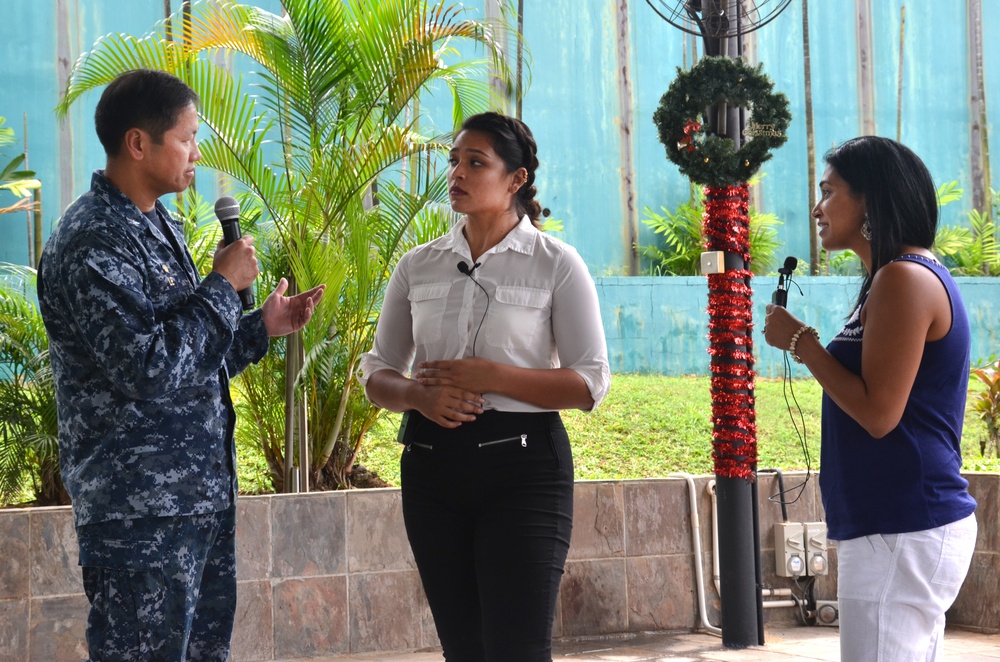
682, 240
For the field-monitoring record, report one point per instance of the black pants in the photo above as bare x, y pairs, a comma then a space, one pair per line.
488, 509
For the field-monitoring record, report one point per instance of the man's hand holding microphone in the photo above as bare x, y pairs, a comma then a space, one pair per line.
236, 261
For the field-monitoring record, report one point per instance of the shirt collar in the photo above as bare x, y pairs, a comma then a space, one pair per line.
520, 239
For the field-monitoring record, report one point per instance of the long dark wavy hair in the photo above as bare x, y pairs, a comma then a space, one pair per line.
900, 198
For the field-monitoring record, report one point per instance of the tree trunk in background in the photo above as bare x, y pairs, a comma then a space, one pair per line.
810, 142
36, 214
626, 106
866, 75
520, 58
979, 145
899, 74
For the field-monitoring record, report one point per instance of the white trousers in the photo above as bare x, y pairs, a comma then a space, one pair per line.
894, 590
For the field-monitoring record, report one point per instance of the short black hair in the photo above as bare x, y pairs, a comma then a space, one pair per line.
140, 99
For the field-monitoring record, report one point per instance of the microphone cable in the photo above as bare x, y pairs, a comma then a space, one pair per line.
463, 268
780, 298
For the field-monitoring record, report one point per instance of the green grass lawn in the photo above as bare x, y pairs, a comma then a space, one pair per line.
650, 426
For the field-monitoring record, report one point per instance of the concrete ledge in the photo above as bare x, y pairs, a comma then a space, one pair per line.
331, 572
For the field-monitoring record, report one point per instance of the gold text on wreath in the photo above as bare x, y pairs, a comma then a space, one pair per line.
753, 130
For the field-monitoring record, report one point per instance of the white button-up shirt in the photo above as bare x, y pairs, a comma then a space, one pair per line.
530, 302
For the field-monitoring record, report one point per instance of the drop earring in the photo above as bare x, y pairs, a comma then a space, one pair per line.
866, 229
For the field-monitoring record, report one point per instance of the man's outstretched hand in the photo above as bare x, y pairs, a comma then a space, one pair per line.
283, 315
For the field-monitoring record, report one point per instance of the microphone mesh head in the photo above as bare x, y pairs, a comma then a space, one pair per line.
227, 207
791, 262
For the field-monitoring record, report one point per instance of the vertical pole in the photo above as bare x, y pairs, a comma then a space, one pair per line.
899, 76
626, 133
810, 141
520, 57
866, 76
292, 419
291, 354
739, 554
737, 563
979, 145
302, 414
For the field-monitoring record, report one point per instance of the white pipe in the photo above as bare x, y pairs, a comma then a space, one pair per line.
710, 487
792, 601
696, 540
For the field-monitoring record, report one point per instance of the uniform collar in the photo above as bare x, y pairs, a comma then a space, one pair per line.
112, 195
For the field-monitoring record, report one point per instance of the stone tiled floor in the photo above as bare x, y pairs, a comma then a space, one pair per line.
786, 644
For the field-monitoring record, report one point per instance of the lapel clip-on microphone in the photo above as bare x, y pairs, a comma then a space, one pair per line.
463, 268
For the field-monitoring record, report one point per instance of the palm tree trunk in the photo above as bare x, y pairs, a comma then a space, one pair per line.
866, 75
899, 75
979, 145
810, 140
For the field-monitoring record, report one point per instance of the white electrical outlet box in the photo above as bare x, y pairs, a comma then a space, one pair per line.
713, 262
789, 549
827, 613
817, 558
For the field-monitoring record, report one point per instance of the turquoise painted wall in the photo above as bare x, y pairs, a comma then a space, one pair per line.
660, 325
573, 103
574, 106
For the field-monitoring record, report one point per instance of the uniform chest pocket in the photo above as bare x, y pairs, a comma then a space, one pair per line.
168, 286
427, 305
518, 315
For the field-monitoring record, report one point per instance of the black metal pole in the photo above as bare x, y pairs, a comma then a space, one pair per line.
739, 534
737, 563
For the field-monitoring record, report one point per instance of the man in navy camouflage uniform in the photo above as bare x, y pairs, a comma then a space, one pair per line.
142, 350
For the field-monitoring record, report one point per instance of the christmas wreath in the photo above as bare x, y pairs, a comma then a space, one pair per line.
706, 158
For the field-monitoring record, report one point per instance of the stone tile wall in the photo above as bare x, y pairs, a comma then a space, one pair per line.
331, 572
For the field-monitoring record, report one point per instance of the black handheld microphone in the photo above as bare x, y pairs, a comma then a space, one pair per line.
228, 211
463, 268
780, 296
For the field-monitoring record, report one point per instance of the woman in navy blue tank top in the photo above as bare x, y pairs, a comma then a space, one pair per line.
894, 383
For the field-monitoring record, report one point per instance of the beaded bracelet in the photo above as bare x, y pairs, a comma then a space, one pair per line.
795, 341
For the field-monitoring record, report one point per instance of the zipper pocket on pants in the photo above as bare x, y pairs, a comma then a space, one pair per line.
523, 439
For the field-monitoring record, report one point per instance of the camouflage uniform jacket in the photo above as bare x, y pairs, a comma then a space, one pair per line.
141, 351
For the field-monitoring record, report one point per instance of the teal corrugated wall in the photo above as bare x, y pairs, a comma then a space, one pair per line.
575, 104
599, 68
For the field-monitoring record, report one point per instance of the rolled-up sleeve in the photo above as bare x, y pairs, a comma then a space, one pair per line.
393, 348
577, 325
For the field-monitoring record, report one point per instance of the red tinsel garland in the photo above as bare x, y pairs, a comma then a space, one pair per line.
727, 228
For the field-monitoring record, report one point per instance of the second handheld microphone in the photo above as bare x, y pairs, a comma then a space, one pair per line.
227, 209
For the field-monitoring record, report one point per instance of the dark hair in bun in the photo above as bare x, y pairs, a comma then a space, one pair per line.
515, 145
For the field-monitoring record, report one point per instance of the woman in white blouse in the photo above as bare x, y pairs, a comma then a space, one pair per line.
485, 334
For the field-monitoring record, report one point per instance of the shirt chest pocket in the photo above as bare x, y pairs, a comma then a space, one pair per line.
427, 305
518, 316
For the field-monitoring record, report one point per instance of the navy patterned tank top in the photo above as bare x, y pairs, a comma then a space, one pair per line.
910, 479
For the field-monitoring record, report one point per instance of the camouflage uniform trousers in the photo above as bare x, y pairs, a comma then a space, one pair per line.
161, 589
